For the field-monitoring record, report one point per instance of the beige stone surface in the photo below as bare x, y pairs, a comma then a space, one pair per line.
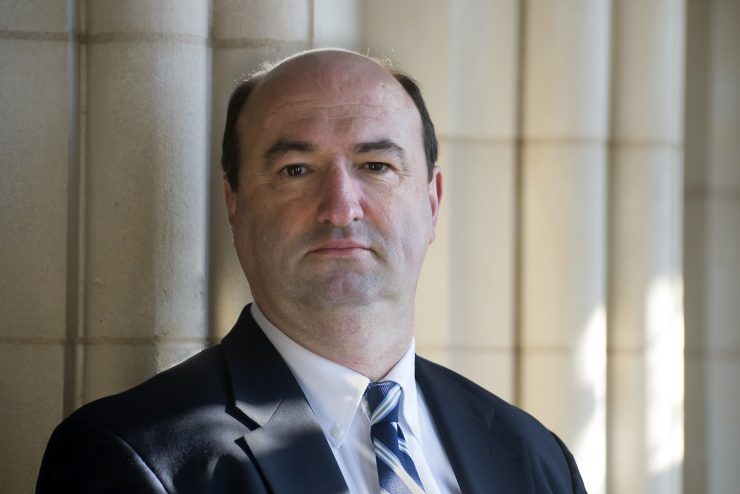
33, 189
645, 448
144, 16
627, 458
712, 345
645, 238
147, 185
695, 470
646, 320
724, 145
697, 112
566, 69
40, 16
481, 198
648, 71
337, 23
284, 20
646, 425
484, 63
723, 428
564, 243
712, 241
31, 395
723, 275
696, 226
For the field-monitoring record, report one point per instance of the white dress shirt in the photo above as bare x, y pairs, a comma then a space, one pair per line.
336, 396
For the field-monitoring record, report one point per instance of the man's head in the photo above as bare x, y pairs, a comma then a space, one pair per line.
331, 195
230, 144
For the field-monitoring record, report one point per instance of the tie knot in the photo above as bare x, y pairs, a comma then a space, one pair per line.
383, 399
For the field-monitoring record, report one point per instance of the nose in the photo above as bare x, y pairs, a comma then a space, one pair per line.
340, 196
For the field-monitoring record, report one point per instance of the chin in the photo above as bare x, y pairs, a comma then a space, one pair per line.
341, 290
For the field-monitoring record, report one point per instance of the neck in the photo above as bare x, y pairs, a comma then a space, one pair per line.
369, 339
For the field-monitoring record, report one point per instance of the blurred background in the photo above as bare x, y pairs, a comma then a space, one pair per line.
587, 265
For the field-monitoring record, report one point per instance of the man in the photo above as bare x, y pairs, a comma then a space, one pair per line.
332, 196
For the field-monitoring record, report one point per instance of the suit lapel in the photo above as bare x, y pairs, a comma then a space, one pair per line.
287, 443
484, 458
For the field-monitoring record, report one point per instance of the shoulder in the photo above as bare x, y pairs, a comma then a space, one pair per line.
168, 395
473, 398
85, 456
134, 441
548, 456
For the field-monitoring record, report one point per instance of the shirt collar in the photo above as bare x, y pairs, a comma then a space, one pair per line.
333, 391
403, 373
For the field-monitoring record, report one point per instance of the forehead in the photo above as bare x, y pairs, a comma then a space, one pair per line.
329, 93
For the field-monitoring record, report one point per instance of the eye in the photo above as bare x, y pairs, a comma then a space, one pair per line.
294, 170
375, 166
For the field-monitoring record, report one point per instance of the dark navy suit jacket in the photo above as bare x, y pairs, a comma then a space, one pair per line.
233, 419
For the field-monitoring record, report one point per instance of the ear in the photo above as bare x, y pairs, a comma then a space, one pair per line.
230, 198
435, 198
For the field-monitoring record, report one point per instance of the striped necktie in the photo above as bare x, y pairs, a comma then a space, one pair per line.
396, 470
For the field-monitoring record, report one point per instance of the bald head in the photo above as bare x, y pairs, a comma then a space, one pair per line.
328, 69
330, 78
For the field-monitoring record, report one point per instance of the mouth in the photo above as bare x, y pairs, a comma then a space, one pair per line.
340, 248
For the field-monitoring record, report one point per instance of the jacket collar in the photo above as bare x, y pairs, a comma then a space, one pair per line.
483, 462
287, 443
289, 447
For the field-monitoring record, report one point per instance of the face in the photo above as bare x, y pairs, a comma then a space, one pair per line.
334, 207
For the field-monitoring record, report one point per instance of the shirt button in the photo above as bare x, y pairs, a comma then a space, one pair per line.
336, 431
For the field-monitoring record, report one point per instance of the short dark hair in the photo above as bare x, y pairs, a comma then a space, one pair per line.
230, 144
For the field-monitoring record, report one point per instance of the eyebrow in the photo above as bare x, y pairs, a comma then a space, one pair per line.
380, 145
284, 146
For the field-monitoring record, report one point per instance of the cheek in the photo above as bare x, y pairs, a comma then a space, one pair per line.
267, 224
409, 225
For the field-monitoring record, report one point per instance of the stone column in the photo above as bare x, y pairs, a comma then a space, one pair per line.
712, 242
563, 225
336, 23
144, 215
465, 55
36, 98
481, 143
245, 34
645, 255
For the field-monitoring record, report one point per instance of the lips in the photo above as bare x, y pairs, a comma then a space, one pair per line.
340, 247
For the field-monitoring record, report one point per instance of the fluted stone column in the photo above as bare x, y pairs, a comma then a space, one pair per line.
712, 242
245, 34
144, 216
465, 55
645, 256
563, 265
481, 183
35, 101
337, 23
